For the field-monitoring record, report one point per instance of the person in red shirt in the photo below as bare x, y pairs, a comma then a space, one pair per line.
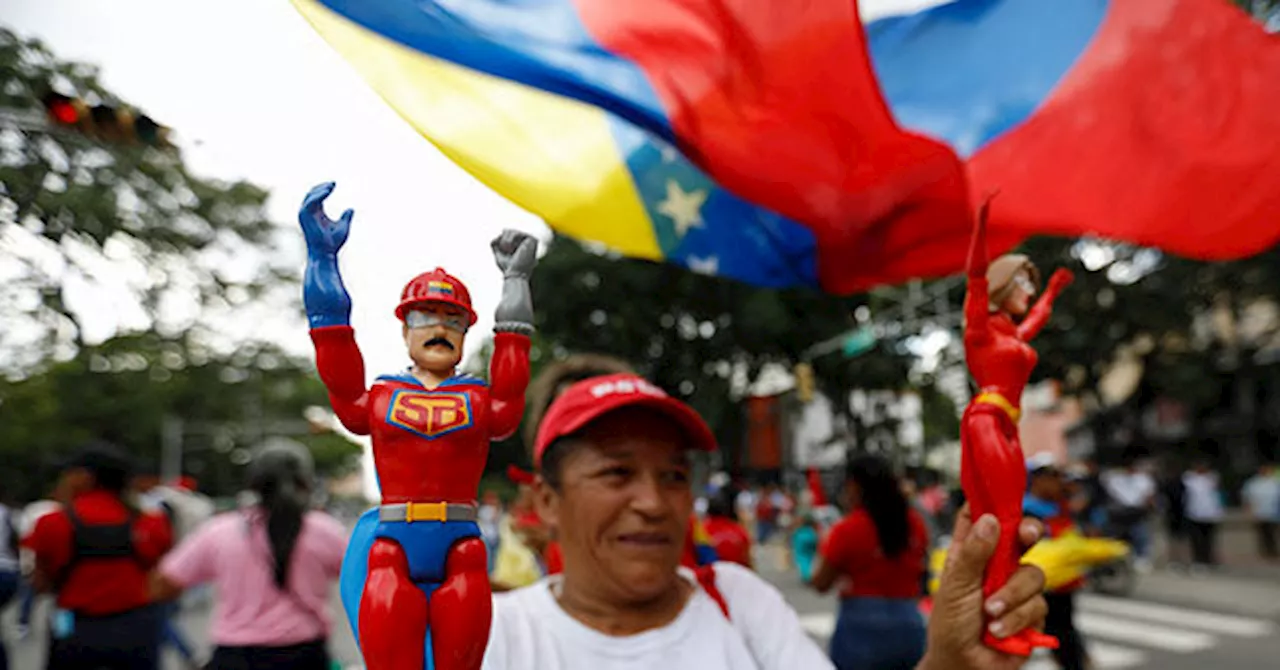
94, 555
729, 538
766, 514
878, 550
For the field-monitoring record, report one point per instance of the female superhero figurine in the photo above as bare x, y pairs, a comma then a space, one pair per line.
993, 471
415, 578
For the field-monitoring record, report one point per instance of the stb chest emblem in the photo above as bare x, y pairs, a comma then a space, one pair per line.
429, 413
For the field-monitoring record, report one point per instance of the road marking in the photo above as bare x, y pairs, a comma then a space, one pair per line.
1104, 656
1156, 637
1205, 621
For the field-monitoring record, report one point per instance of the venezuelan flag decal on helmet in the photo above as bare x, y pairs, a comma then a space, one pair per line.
436, 286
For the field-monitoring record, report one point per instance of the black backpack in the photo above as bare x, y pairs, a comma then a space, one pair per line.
92, 542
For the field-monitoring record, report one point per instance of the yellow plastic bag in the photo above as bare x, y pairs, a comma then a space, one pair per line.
1063, 559
515, 565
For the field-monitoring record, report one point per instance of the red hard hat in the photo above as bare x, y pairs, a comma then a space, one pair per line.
436, 286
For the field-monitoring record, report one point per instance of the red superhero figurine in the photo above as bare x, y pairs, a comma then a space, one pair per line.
416, 574
993, 471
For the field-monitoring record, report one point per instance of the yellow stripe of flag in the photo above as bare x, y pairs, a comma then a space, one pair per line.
550, 155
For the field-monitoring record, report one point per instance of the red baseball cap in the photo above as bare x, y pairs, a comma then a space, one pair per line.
592, 398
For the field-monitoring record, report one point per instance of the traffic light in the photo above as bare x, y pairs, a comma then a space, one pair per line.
804, 382
63, 110
104, 122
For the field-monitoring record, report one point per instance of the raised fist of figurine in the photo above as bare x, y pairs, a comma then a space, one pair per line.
1061, 279
324, 236
516, 253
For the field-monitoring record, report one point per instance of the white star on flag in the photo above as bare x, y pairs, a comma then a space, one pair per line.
704, 266
684, 209
669, 153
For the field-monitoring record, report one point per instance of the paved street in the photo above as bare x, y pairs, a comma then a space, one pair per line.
1135, 634
1176, 623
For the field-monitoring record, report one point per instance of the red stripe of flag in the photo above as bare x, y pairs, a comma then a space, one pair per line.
1164, 133
778, 102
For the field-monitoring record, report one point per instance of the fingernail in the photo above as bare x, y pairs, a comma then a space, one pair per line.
995, 607
996, 628
988, 527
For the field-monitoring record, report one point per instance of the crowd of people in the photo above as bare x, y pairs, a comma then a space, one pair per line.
572, 553
115, 551
605, 552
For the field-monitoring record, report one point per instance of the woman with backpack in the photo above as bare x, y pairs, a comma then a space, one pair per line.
272, 565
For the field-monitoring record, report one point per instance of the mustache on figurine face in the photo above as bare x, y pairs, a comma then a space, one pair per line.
438, 340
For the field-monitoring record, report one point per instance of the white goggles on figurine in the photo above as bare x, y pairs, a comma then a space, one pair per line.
1022, 281
418, 319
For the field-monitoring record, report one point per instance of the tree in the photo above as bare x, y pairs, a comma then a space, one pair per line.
123, 390
75, 212
188, 256
692, 334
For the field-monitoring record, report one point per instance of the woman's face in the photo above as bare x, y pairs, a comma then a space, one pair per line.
1019, 299
623, 506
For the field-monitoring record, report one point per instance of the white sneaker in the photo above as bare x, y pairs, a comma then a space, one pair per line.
1142, 566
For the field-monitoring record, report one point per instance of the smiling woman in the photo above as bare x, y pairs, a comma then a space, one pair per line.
614, 484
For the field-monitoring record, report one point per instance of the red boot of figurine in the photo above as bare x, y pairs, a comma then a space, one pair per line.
393, 612
462, 609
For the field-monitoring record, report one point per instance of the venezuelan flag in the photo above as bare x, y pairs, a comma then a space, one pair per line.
1147, 121
588, 173
553, 105
783, 143
698, 547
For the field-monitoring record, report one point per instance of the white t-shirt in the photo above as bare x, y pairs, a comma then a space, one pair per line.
530, 630
189, 510
1263, 497
746, 503
33, 512
1129, 489
487, 518
8, 552
1203, 502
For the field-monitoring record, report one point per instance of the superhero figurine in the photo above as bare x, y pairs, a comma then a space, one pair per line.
415, 579
993, 472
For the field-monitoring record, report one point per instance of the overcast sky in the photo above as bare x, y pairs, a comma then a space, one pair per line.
254, 93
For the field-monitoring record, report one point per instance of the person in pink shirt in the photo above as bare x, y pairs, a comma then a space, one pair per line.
272, 565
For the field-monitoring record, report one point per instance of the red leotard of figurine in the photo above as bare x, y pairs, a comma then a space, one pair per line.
426, 600
993, 469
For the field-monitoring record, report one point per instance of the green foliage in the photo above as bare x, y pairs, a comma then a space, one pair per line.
1138, 295
74, 211
72, 205
122, 391
689, 332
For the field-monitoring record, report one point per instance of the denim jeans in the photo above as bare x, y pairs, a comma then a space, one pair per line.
171, 634
9, 581
878, 634
28, 603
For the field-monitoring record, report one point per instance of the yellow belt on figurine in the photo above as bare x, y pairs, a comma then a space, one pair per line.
427, 511
994, 398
